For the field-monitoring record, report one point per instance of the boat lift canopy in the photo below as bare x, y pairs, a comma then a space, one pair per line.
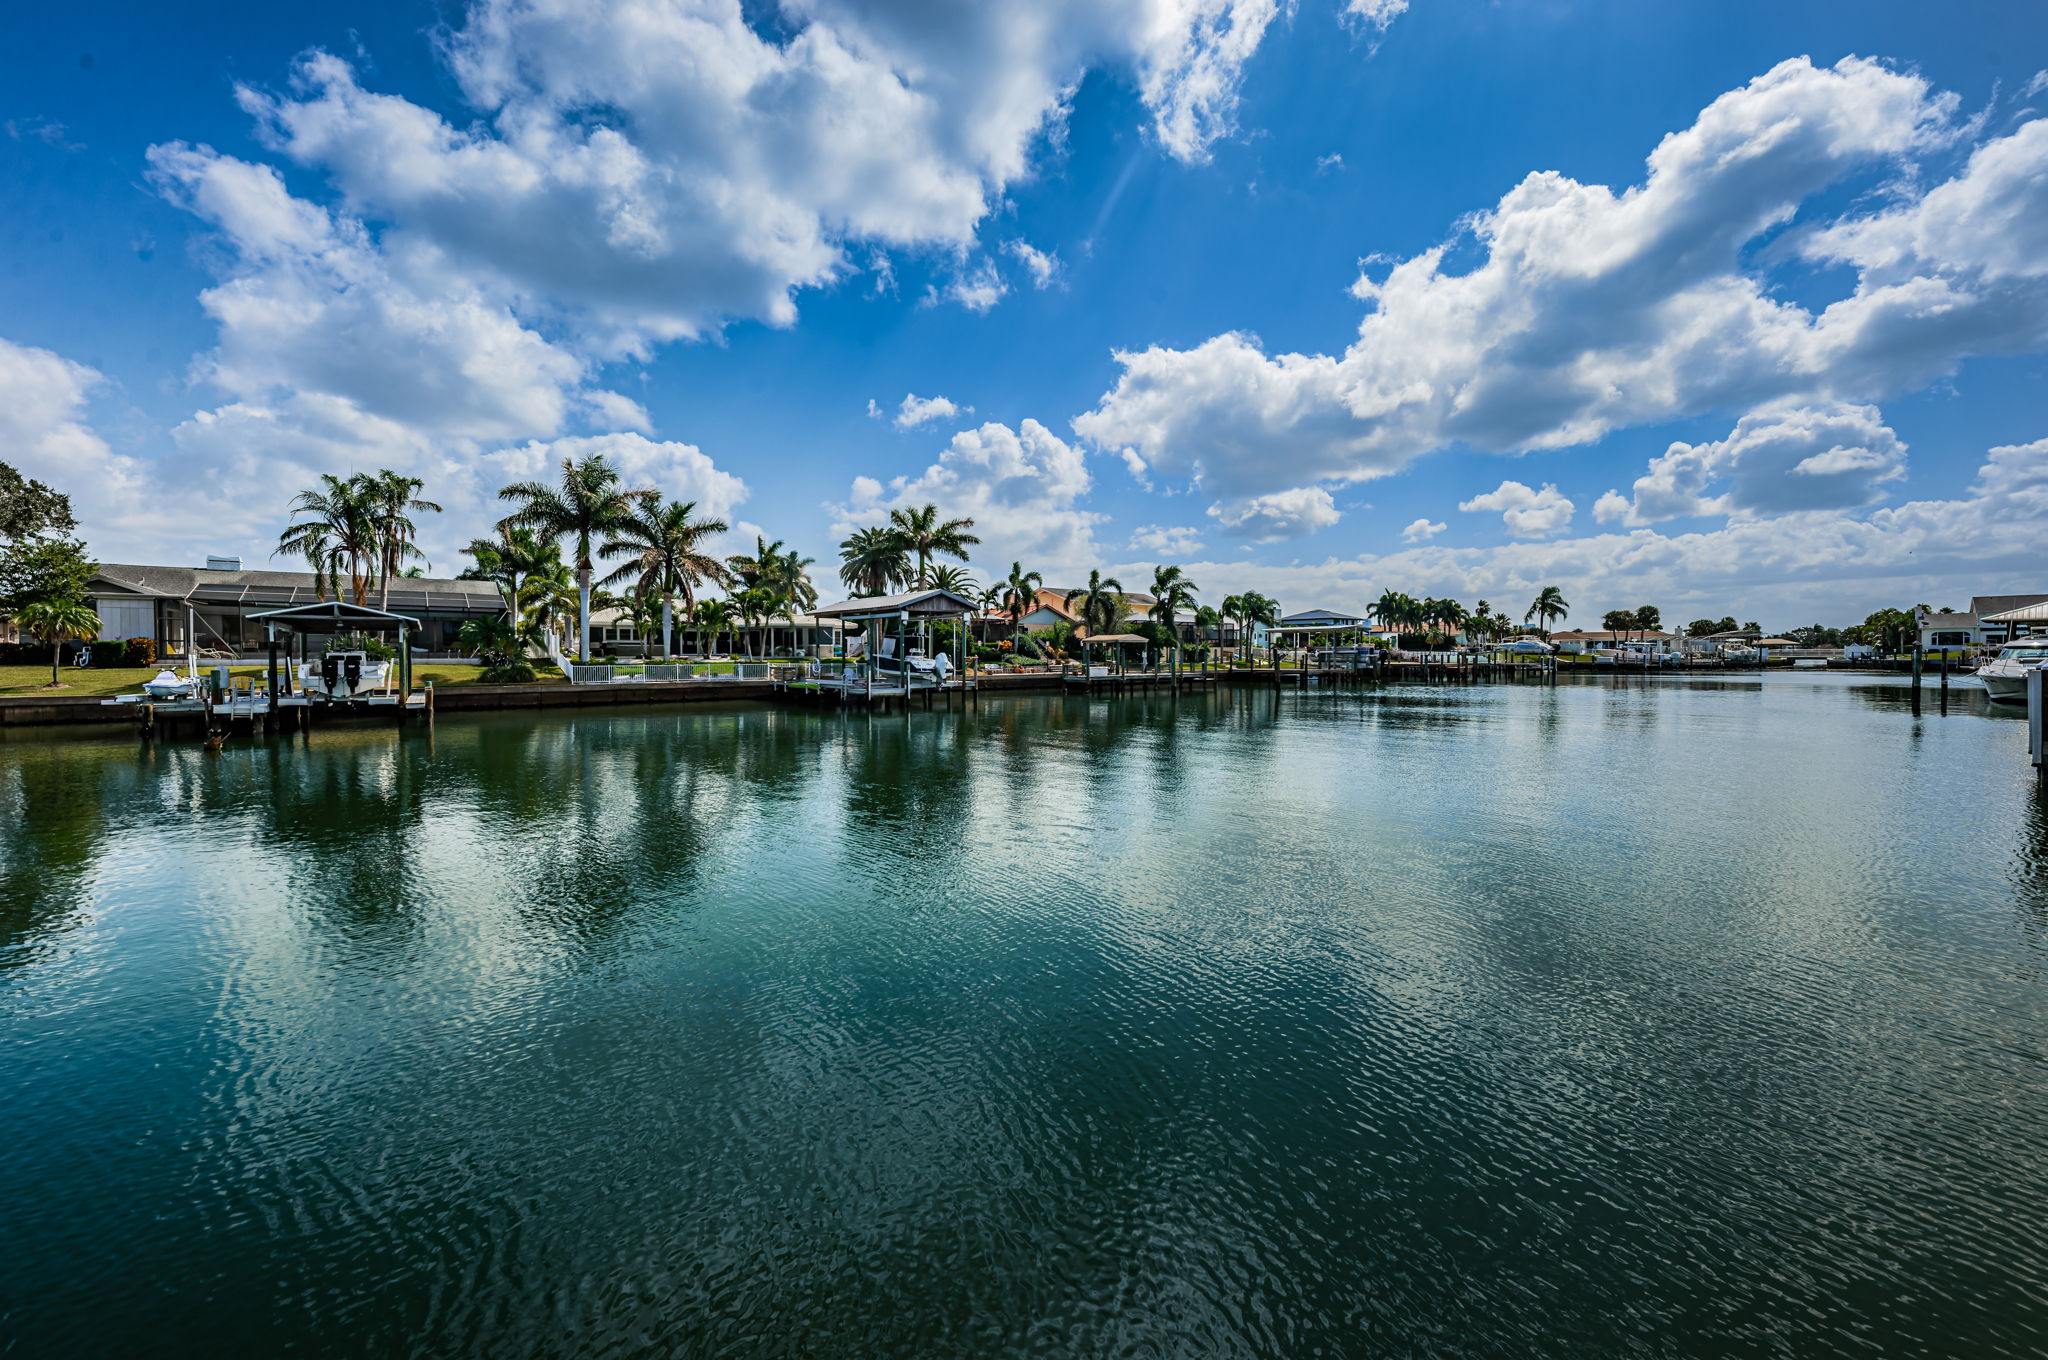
338, 616
918, 604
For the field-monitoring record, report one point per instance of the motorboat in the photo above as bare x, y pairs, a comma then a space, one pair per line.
2005, 676
168, 684
1525, 646
343, 675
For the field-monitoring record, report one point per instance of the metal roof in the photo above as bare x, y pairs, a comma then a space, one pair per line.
2026, 613
925, 603
283, 589
333, 611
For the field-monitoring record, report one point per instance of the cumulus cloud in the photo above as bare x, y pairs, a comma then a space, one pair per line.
1783, 457
1166, 540
915, 410
308, 303
1591, 310
1022, 488
1269, 518
1823, 564
1527, 512
1421, 530
44, 434
656, 170
1043, 266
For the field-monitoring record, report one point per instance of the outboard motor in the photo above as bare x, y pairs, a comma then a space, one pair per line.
330, 672
352, 668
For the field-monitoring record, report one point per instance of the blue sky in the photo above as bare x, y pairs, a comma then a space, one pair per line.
1790, 369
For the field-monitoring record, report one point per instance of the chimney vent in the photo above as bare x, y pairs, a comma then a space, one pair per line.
223, 564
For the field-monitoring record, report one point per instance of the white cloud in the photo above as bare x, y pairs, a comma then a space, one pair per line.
1293, 513
44, 434
654, 170
1833, 566
915, 410
2035, 86
619, 411
309, 304
1783, 457
1043, 266
1592, 310
1021, 487
875, 411
978, 290
1421, 530
1376, 13
1166, 540
1527, 512
1333, 161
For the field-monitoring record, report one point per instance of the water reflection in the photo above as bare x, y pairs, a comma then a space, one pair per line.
1596, 1017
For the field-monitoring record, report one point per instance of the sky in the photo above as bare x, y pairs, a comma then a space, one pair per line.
1729, 307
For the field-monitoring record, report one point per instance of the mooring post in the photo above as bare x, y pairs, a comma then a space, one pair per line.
2037, 723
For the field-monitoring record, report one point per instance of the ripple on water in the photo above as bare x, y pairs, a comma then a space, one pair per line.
1617, 1018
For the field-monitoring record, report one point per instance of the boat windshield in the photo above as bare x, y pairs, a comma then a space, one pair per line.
2025, 651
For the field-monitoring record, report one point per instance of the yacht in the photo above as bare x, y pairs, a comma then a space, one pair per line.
2005, 675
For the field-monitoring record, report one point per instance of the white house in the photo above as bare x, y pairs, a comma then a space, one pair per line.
1989, 621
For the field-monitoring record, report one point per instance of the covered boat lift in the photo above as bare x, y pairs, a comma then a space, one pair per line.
338, 617
920, 607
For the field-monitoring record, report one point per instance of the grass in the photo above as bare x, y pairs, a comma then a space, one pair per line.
93, 682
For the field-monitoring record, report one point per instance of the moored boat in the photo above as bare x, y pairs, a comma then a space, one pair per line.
2005, 676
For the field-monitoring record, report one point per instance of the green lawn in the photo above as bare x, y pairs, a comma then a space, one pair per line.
16, 681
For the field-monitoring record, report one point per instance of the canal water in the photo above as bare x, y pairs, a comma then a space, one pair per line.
1636, 1017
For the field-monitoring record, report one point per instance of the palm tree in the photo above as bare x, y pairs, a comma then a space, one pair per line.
925, 536
547, 596
339, 533
959, 580
1452, 616
393, 501
872, 560
1171, 593
1020, 596
662, 544
715, 616
1101, 607
508, 560
589, 504
1258, 609
788, 581
1549, 604
55, 622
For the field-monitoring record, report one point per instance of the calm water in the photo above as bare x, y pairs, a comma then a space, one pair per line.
1655, 1019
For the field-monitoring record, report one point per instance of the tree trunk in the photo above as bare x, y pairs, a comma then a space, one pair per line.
583, 612
667, 628
56, 656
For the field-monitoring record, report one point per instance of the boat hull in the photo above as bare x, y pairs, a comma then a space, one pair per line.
2005, 684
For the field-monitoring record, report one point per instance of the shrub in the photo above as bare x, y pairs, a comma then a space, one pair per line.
375, 648
141, 651
513, 670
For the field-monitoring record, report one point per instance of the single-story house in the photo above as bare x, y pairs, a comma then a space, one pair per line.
1578, 642
1989, 621
216, 601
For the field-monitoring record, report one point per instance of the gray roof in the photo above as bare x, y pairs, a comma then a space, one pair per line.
283, 589
929, 603
1983, 606
2026, 613
1323, 614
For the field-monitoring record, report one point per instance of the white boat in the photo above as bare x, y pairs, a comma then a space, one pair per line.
1525, 647
168, 685
2005, 675
342, 675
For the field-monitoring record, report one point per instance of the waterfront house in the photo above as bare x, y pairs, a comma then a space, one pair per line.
217, 603
1049, 607
1320, 618
1579, 642
1989, 621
